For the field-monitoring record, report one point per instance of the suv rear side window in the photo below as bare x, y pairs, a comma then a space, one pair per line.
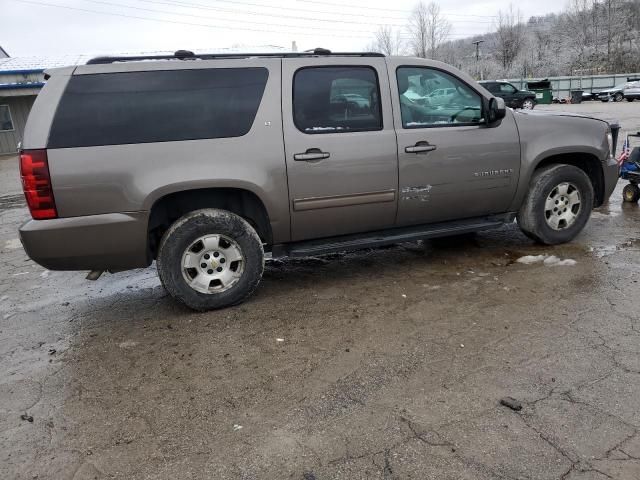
157, 106
336, 100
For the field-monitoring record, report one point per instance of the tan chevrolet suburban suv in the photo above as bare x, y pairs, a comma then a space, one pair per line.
207, 163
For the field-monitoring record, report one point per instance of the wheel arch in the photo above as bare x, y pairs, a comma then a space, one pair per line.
169, 207
587, 162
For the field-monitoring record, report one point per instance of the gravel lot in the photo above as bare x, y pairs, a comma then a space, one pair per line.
386, 364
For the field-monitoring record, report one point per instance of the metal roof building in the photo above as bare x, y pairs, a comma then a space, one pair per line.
20, 81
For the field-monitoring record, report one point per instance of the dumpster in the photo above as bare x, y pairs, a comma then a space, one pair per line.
542, 89
576, 96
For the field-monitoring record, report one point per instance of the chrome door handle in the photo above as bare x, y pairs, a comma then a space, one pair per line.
311, 154
420, 147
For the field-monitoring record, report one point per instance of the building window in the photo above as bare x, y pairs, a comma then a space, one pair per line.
336, 100
6, 124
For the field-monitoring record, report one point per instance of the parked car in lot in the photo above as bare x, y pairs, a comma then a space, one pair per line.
513, 97
631, 91
208, 163
614, 94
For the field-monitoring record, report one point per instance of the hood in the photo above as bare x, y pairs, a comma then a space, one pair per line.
538, 113
610, 90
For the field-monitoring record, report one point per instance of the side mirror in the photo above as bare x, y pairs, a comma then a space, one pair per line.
496, 111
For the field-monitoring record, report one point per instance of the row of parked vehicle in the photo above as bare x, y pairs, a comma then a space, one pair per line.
629, 91
527, 100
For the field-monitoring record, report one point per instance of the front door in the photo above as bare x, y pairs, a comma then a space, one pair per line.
452, 165
340, 145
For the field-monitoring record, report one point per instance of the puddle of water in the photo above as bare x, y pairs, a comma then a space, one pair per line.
606, 250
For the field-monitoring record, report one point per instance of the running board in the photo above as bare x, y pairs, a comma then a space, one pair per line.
308, 248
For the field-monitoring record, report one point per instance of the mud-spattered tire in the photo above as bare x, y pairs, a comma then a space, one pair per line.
631, 193
178, 241
533, 217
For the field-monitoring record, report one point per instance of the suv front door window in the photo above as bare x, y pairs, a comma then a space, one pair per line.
451, 163
446, 100
507, 88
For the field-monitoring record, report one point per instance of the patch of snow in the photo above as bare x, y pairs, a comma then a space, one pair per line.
44, 274
12, 244
547, 260
323, 129
279, 339
236, 427
530, 259
553, 261
128, 344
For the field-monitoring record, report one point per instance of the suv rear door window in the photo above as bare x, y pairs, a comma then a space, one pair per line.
336, 100
157, 106
433, 98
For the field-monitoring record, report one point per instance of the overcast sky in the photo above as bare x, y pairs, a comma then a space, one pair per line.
44, 27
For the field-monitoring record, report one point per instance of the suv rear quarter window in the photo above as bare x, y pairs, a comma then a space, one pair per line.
157, 106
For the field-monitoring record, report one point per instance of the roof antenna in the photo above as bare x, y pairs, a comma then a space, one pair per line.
183, 54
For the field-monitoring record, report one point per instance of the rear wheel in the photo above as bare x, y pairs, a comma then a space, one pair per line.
618, 97
630, 99
210, 259
631, 193
558, 204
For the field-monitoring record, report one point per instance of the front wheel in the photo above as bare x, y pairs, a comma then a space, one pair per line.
631, 193
558, 204
528, 104
618, 97
210, 259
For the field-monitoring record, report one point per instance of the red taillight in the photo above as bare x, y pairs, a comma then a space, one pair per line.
36, 183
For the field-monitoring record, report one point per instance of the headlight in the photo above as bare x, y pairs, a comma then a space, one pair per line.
610, 142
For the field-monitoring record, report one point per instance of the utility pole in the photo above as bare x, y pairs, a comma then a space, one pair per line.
478, 71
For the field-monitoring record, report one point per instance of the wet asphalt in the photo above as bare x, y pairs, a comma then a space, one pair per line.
387, 363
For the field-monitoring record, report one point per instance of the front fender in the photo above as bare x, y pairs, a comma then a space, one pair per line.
545, 136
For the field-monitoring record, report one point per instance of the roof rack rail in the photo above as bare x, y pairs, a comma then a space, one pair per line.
188, 55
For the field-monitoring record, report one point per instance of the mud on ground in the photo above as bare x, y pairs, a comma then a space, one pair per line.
387, 363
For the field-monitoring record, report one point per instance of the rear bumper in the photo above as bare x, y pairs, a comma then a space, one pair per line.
113, 241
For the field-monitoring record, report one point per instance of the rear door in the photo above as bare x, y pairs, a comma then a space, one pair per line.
340, 145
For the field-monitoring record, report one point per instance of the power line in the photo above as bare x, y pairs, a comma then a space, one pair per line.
102, 2
298, 30
388, 9
226, 27
279, 8
381, 21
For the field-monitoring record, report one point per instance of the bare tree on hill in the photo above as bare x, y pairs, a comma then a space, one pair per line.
510, 35
428, 29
